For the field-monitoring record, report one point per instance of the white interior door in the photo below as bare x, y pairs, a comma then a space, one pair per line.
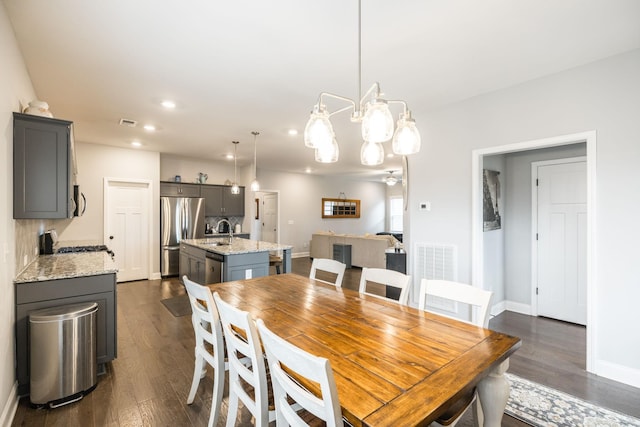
127, 228
562, 241
270, 218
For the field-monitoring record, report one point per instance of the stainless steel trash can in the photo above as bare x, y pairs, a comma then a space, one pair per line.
62, 353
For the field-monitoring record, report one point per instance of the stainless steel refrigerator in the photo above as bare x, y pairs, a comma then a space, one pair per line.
180, 218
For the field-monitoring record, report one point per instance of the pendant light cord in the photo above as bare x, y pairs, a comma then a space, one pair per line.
359, 49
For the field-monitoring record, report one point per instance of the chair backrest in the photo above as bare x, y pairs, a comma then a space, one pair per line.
305, 367
329, 265
206, 322
386, 277
242, 341
458, 292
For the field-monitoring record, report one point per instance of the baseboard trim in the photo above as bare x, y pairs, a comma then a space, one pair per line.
300, 255
616, 372
155, 276
10, 407
518, 307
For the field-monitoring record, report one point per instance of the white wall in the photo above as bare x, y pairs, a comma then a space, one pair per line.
493, 240
188, 169
601, 96
95, 162
15, 86
301, 200
517, 217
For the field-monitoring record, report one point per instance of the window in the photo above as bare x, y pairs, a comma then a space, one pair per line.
395, 214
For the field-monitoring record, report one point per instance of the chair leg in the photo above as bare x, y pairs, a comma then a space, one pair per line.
232, 413
216, 399
277, 268
197, 372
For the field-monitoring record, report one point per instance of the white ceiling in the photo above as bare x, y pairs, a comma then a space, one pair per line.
237, 66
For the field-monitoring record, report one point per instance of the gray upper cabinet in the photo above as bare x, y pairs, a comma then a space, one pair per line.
219, 201
42, 167
178, 189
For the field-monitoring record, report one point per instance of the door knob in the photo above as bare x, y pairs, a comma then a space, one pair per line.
110, 237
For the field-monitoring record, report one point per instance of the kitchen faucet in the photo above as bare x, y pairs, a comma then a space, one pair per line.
230, 228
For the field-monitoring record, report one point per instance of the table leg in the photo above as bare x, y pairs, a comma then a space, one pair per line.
493, 393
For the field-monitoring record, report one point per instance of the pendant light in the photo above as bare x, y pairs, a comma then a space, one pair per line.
255, 185
235, 188
373, 112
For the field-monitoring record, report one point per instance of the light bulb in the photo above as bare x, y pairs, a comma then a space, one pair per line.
377, 124
235, 188
406, 139
371, 154
255, 185
318, 132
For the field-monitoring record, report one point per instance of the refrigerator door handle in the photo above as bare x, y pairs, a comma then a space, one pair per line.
172, 248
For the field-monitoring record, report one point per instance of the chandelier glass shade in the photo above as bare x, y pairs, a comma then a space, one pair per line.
318, 132
328, 153
235, 188
406, 139
255, 185
377, 123
372, 112
371, 153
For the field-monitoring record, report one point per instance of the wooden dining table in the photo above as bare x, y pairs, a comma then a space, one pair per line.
393, 365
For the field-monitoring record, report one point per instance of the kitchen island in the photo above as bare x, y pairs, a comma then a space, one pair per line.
61, 279
214, 260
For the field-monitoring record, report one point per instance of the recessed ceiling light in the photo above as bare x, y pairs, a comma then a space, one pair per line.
390, 155
308, 170
168, 104
293, 132
150, 128
136, 144
230, 156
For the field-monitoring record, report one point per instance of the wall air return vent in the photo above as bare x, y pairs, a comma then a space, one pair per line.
434, 261
128, 122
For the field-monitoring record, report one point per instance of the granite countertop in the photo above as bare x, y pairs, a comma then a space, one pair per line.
238, 246
66, 266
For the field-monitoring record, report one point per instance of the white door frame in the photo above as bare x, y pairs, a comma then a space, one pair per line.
534, 222
589, 138
149, 188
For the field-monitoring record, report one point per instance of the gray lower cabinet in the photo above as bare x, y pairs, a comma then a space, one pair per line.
178, 189
42, 167
52, 293
244, 266
192, 263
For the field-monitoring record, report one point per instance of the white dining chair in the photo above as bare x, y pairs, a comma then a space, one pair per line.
209, 346
330, 266
242, 342
385, 277
476, 298
285, 360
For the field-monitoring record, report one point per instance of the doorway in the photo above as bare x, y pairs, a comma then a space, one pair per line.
127, 230
589, 138
267, 219
559, 209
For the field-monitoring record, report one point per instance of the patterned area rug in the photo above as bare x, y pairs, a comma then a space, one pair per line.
538, 405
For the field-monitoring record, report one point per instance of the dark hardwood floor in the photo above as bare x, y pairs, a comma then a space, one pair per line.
149, 381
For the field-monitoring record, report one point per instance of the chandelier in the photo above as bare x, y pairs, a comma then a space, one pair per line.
377, 123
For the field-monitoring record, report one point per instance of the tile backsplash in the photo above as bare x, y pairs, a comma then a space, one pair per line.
27, 232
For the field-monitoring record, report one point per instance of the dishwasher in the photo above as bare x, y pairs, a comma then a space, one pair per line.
213, 268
